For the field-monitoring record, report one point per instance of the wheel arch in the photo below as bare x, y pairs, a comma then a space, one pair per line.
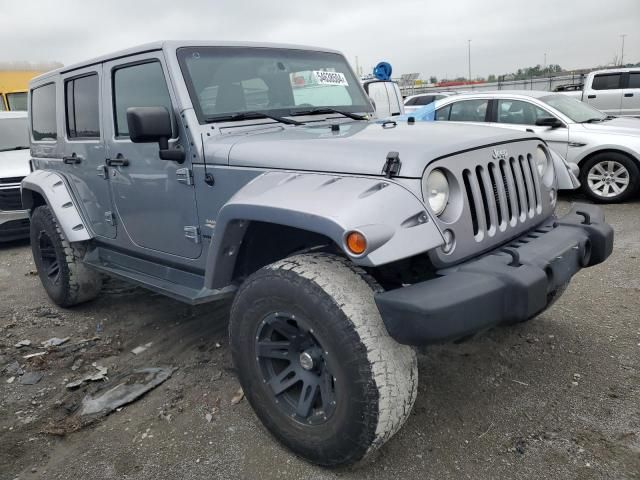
321, 209
609, 149
44, 187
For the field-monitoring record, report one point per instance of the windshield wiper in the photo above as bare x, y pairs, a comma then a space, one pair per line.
250, 116
594, 120
320, 110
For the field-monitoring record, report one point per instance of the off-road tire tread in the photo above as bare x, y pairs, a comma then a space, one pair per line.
79, 283
393, 379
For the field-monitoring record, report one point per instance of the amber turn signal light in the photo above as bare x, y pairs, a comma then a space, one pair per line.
356, 243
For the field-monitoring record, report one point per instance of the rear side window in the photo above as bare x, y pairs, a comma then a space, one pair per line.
141, 85
634, 80
425, 100
17, 101
442, 114
83, 113
609, 81
469, 111
519, 113
43, 112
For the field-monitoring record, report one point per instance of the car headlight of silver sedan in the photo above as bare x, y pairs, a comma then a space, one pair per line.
435, 190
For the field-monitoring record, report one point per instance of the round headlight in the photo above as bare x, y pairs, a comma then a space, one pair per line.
542, 161
435, 189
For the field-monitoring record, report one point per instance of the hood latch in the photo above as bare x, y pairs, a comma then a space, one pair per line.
392, 165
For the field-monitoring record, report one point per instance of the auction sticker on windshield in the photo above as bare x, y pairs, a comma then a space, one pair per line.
330, 78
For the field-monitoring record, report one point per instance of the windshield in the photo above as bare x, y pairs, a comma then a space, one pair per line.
225, 80
17, 101
576, 110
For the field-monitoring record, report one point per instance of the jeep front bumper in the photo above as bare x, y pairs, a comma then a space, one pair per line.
510, 284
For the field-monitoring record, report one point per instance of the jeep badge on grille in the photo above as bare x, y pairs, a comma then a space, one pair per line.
499, 154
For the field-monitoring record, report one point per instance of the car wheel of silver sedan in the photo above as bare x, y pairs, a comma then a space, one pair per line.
609, 177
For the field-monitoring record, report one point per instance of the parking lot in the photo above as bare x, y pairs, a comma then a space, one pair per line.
558, 397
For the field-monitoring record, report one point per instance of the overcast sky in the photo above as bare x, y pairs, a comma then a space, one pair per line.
428, 36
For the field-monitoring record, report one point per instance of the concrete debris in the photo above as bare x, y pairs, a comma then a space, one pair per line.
14, 369
126, 389
37, 354
10, 379
208, 417
237, 398
31, 378
141, 348
94, 377
23, 343
55, 342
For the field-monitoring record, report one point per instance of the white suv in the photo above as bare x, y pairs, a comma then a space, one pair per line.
14, 166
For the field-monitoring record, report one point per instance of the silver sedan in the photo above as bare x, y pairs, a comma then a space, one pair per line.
606, 148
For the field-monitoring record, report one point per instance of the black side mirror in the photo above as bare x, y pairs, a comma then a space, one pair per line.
551, 122
153, 124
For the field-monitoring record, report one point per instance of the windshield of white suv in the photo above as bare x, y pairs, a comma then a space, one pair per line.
281, 82
576, 110
17, 101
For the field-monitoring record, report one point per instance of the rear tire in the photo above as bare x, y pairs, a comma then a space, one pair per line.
609, 177
64, 276
321, 306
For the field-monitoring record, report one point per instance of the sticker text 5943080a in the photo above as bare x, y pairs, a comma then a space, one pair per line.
330, 78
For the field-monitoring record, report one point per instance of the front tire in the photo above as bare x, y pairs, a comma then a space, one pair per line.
609, 177
316, 362
64, 276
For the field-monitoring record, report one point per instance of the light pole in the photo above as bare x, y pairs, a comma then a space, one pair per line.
545, 62
469, 56
622, 53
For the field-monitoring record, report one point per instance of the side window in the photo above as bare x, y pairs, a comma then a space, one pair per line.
443, 113
2, 106
608, 81
141, 85
469, 111
519, 112
426, 100
412, 101
634, 80
43, 112
82, 97
17, 101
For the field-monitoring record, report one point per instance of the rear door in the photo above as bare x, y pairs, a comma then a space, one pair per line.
631, 95
84, 148
605, 93
151, 197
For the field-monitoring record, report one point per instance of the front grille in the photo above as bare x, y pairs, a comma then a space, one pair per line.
9, 180
502, 194
10, 199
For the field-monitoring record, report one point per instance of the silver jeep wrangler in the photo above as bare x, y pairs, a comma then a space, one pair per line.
207, 170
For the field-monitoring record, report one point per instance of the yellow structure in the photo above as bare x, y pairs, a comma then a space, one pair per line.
13, 88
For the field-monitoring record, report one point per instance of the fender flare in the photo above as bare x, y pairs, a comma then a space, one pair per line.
396, 223
54, 189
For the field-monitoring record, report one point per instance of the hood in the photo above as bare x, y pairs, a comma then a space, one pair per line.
359, 147
616, 126
14, 163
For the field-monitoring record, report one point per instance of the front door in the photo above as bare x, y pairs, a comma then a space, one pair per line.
157, 211
522, 115
84, 148
606, 93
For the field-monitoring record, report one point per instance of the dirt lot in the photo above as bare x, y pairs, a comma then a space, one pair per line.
558, 397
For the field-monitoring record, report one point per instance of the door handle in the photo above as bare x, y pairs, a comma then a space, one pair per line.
591, 96
72, 160
119, 161
628, 94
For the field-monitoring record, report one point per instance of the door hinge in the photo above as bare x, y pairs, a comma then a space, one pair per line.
392, 165
110, 218
184, 175
192, 233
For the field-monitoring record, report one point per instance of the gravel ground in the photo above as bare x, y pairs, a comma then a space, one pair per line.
558, 397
